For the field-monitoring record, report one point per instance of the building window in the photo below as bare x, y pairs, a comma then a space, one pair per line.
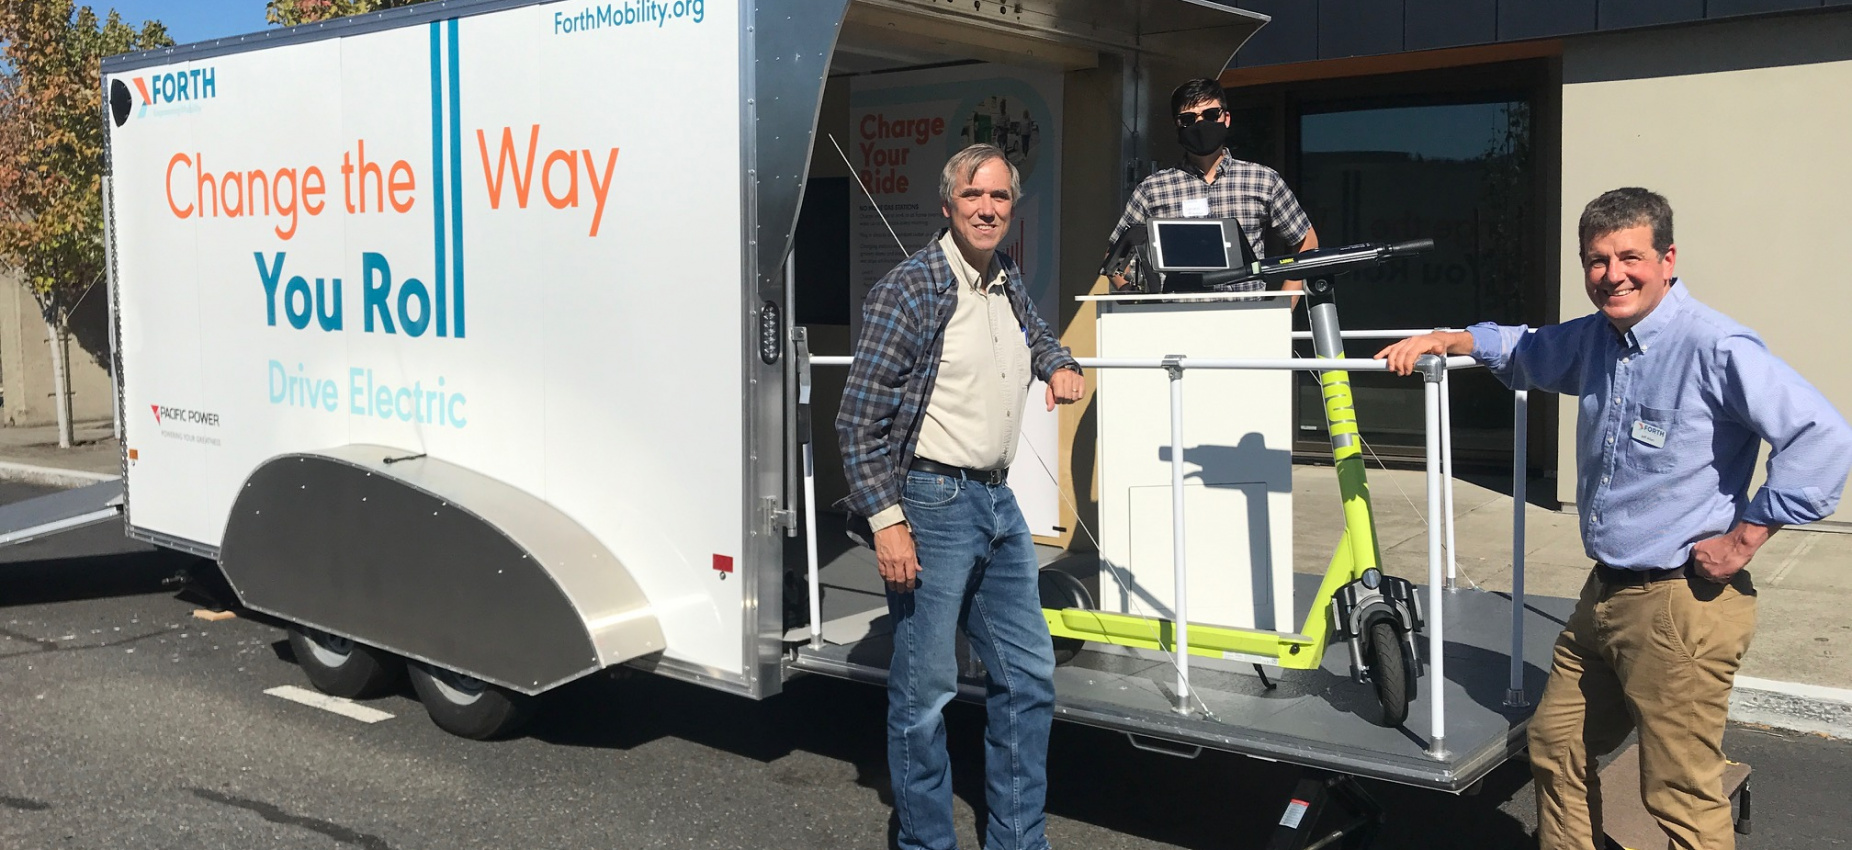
1459, 172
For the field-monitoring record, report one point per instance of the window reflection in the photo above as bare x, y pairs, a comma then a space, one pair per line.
1459, 174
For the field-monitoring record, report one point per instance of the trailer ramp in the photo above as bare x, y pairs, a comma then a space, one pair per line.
62, 511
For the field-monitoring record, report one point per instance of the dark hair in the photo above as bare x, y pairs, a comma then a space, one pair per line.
1196, 91
1619, 209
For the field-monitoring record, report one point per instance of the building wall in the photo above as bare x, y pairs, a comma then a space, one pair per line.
25, 360
1743, 127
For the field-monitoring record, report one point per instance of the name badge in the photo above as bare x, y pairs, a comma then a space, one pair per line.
1650, 434
1196, 208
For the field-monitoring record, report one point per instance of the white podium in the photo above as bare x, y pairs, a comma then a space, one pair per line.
1237, 439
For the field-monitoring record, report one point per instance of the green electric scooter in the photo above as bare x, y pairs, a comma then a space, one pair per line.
1375, 614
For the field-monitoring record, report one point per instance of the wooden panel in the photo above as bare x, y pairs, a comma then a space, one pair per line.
1396, 63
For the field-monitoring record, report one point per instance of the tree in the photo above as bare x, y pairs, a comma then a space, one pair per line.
51, 156
292, 12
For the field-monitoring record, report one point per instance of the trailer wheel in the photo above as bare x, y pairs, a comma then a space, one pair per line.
1391, 672
467, 706
1060, 590
340, 667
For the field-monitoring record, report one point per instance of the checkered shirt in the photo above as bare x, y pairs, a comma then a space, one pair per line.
1252, 194
897, 361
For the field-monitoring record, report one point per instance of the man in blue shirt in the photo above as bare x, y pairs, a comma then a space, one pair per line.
1674, 400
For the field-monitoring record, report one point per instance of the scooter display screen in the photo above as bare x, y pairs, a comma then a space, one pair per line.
1189, 246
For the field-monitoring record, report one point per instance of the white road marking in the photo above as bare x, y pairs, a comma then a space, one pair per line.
343, 707
1800, 551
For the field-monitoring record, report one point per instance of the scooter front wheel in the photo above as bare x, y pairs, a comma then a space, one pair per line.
1391, 671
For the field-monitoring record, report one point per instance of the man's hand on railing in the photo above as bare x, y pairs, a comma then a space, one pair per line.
1065, 386
1401, 356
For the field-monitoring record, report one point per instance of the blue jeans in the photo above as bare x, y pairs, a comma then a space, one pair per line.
978, 573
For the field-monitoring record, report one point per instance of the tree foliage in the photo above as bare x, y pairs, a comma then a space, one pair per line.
51, 143
292, 12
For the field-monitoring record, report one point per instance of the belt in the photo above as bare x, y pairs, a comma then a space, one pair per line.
993, 477
1622, 576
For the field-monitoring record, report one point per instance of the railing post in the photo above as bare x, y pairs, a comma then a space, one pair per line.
1520, 472
800, 344
1446, 475
1173, 364
1433, 370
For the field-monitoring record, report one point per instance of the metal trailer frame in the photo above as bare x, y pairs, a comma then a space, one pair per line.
1503, 641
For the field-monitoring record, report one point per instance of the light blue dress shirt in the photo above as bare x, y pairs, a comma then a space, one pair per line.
1668, 424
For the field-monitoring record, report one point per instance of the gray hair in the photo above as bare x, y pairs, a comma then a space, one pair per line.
1619, 209
963, 166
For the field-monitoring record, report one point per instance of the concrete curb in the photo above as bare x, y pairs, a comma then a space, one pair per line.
1792, 706
50, 476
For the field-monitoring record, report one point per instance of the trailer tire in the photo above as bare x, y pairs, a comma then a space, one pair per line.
468, 707
340, 667
1392, 673
1058, 591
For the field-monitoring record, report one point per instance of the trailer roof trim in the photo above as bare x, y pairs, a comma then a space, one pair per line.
1052, 33
1060, 35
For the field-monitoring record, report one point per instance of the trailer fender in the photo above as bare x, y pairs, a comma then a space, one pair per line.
434, 562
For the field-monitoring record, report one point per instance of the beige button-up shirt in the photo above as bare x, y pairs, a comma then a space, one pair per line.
975, 414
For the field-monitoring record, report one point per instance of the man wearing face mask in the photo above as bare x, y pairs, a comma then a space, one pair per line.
1211, 183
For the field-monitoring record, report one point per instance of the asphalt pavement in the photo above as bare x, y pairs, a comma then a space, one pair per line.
125, 722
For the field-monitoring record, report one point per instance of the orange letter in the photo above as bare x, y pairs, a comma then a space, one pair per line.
395, 185
312, 185
571, 198
286, 177
203, 182
504, 158
178, 158
232, 180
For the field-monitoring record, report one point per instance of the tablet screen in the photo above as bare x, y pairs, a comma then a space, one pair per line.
1190, 245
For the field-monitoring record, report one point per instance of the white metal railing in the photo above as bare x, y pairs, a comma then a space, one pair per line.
1439, 474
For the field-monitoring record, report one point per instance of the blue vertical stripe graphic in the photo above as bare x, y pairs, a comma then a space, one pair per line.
437, 171
456, 176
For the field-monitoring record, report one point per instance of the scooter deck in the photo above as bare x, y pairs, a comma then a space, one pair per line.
1318, 718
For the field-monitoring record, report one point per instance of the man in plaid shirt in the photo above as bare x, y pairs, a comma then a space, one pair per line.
1211, 183
929, 424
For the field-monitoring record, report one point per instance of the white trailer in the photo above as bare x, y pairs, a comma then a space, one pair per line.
460, 335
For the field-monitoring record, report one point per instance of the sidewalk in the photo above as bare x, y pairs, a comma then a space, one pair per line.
31, 454
1798, 674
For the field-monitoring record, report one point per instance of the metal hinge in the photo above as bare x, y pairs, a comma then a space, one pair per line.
774, 517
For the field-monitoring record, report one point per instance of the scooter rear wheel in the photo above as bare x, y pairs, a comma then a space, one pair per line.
1391, 671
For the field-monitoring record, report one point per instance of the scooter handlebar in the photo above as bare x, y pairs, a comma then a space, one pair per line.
1404, 249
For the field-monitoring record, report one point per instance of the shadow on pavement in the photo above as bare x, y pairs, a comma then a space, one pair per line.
1217, 800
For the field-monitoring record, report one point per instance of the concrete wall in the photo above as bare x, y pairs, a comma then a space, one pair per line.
25, 359
1743, 127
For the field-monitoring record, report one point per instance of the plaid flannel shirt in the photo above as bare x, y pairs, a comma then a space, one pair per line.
897, 361
1252, 194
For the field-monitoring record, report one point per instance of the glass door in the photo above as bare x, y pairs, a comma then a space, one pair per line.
1460, 173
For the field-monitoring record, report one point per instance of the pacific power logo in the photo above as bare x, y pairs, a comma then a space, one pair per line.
168, 93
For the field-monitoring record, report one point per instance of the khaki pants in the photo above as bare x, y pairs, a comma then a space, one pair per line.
1661, 658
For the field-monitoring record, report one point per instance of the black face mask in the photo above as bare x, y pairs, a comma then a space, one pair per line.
1203, 137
